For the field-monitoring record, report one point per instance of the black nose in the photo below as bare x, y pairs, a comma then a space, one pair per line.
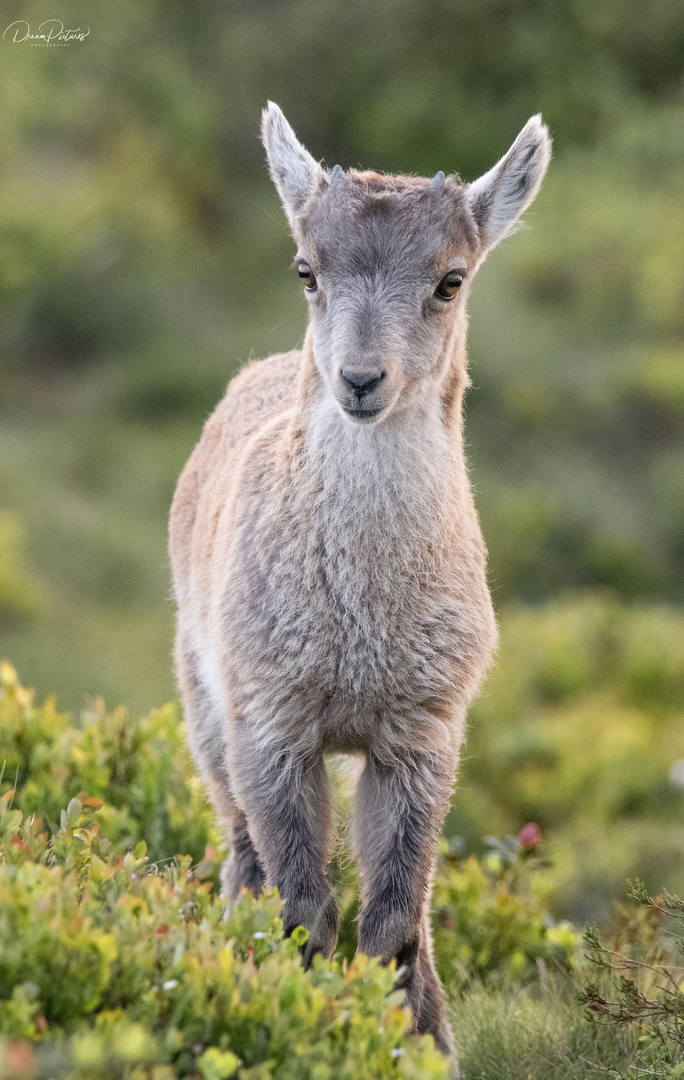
361, 382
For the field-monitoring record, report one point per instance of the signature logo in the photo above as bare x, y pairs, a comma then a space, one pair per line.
50, 32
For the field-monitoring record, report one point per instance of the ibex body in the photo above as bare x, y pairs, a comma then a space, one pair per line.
328, 563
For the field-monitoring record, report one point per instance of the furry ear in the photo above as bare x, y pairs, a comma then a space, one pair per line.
294, 172
499, 197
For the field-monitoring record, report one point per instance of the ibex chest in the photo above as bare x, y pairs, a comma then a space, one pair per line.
354, 605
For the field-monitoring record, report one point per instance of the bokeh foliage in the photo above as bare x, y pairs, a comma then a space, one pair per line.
144, 257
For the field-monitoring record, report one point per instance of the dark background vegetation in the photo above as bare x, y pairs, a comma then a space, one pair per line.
144, 257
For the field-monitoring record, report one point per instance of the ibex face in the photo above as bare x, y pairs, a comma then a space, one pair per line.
391, 259
386, 263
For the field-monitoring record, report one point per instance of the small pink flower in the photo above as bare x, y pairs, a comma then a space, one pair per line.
529, 836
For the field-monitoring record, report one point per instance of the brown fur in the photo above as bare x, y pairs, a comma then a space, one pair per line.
328, 563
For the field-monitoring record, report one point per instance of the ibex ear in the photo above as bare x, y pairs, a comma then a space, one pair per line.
499, 197
295, 173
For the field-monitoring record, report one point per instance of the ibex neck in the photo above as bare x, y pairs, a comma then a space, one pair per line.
413, 458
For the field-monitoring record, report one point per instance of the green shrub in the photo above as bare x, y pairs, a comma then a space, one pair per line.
107, 965
113, 954
140, 769
491, 917
639, 983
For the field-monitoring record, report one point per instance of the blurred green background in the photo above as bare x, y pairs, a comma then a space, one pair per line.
144, 257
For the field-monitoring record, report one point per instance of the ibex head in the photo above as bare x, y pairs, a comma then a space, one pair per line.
387, 261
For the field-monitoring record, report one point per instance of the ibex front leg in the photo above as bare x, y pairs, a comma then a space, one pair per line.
287, 803
399, 812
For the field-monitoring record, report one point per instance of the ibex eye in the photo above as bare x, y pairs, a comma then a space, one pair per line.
307, 275
449, 285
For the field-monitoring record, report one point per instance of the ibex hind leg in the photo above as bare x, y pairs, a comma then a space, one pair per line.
241, 869
433, 1014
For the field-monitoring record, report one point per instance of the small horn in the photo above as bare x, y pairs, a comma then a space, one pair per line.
437, 181
337, 175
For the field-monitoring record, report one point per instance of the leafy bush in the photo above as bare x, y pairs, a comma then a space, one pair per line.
107, 966
139, 769
491, 917
114, 956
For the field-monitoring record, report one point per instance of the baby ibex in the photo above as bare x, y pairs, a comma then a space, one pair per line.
328, 563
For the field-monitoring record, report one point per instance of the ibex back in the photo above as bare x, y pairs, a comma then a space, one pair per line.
328, 564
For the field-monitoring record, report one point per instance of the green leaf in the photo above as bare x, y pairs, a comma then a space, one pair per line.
217, 1064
